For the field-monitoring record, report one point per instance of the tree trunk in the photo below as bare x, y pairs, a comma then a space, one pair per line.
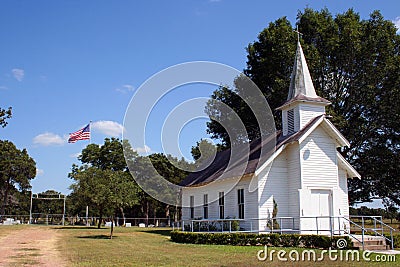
176, 214
147, 213
167, 214
123, 215
3, 206
100, 218
112, 227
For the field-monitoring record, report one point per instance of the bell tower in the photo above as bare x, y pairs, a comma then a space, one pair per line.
303, 103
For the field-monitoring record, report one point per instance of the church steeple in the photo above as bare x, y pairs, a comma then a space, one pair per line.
300, 82
302, 103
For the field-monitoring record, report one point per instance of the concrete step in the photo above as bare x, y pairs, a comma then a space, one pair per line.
374, 247
371, 243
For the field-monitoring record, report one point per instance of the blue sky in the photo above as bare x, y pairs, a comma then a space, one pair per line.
64, 63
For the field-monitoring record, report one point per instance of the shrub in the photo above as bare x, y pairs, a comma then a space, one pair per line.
244, 239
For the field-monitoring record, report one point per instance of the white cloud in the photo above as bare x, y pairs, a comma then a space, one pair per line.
18, 74
142, 150
39, 172
396, 22
126, 88
108, 127
48, 139
75, 155
43, 78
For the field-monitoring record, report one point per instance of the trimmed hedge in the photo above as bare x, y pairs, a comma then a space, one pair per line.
274, 240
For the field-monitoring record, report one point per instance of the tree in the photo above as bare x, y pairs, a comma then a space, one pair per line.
103, 179
106, 189
204, 152
203, 148
146, 169
49, 206
391, 213
355, 64
4, 115
17, 168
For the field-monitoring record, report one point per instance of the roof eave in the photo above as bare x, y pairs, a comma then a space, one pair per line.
293, 101
347, 166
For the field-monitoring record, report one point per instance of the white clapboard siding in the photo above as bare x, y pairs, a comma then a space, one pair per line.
294, 182
318, 160
309, 111
273, 184
229, 187
344, 196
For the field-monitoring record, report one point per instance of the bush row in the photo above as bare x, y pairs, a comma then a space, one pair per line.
245, 239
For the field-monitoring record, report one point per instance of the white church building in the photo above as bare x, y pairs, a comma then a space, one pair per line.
304, 177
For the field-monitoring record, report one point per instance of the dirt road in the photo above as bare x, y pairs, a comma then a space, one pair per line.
31, 246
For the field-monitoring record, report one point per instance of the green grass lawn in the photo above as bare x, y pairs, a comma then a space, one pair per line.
152, 247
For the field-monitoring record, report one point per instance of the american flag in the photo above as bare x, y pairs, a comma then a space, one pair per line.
82, 134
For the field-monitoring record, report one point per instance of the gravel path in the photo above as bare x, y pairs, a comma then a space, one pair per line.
31, 246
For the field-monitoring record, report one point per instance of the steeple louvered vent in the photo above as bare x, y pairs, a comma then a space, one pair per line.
290, 120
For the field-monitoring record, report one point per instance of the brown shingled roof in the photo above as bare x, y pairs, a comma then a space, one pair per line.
242, 165
301, 97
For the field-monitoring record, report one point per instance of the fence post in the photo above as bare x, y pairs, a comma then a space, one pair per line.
293, 223
391, 238
30, 210
316, 222
362, 224
362, 237
272, 225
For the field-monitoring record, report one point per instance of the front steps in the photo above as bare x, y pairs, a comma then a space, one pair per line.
370, 242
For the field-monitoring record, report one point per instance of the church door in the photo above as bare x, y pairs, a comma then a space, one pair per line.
322, 202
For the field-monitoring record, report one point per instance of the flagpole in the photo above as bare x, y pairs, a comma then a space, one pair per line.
90, 133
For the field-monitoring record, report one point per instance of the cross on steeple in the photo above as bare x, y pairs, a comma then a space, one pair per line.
298, 33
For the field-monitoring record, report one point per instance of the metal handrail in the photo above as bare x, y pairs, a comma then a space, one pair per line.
362, 232
374, 229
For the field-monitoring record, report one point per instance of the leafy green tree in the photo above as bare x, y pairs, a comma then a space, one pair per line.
4, 115
355, 64
103, 179
167, 167
106, 189
203, 148
109, 156
170, 167
48, 206
17, 168
391, 213
204, 153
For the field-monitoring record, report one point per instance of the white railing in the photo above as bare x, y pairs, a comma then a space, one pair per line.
333, 225
326, 225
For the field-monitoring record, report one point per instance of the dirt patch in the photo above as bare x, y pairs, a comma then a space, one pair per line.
31, 246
